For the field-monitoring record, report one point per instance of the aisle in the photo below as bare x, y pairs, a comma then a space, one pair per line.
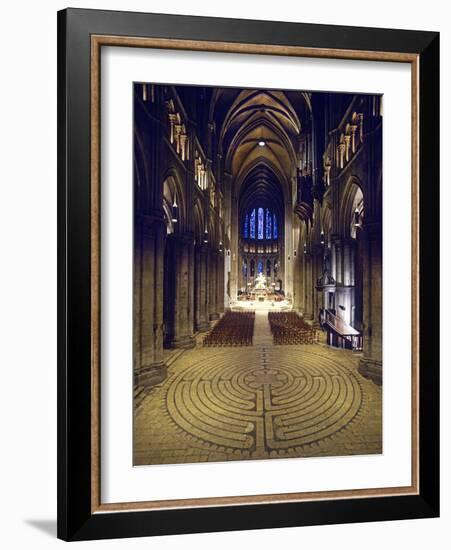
262, 332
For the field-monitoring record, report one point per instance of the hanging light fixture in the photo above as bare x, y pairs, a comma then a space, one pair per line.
175, 211
305, 249
220, 246
356, 218
322, 237
261, 142
205, 236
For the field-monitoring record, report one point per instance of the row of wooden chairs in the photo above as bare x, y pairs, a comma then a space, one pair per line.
289, 328
233, 329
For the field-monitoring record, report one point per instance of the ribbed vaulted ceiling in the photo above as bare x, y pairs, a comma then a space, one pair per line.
246, 117
261, 187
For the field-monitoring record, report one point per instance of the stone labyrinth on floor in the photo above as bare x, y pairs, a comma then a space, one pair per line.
265, 408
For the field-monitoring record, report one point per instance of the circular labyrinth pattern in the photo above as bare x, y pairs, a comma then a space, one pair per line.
255, 408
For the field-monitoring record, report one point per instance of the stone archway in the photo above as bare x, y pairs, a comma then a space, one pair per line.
178, 267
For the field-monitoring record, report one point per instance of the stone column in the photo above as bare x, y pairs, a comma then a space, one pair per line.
183, 334
348, 261
230, 237
227, 279
220, 284
191, 284
197, 291
348, 279
169, 290
333, 259
317, 271
301, 287
297, 274
309, 287
338, 260
358, 281
371, 363
149, 366
281, 262
204, 323
288, 253
240, 270
213, 280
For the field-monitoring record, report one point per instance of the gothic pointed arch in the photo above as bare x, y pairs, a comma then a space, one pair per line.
352, 203
174, 202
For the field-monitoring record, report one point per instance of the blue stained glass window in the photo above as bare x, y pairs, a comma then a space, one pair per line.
260, 267
274, 230
260, 223
268, 224
252, 224
246, 226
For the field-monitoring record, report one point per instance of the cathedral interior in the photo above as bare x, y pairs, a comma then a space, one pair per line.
257, 274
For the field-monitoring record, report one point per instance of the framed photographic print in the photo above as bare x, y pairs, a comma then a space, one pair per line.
248, 274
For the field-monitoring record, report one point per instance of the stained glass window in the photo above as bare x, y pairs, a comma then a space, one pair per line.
260, 223
246, 226
268, 224
252, 224
260, 267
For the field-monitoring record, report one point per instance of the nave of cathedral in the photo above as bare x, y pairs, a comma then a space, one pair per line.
257, 274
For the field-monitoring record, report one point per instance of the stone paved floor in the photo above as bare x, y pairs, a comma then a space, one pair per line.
261, 401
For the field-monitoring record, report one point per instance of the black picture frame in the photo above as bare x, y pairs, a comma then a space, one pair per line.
76, 521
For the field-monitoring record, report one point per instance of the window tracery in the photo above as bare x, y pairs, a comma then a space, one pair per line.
261, 224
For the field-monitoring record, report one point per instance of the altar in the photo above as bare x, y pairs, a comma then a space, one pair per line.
260, 289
